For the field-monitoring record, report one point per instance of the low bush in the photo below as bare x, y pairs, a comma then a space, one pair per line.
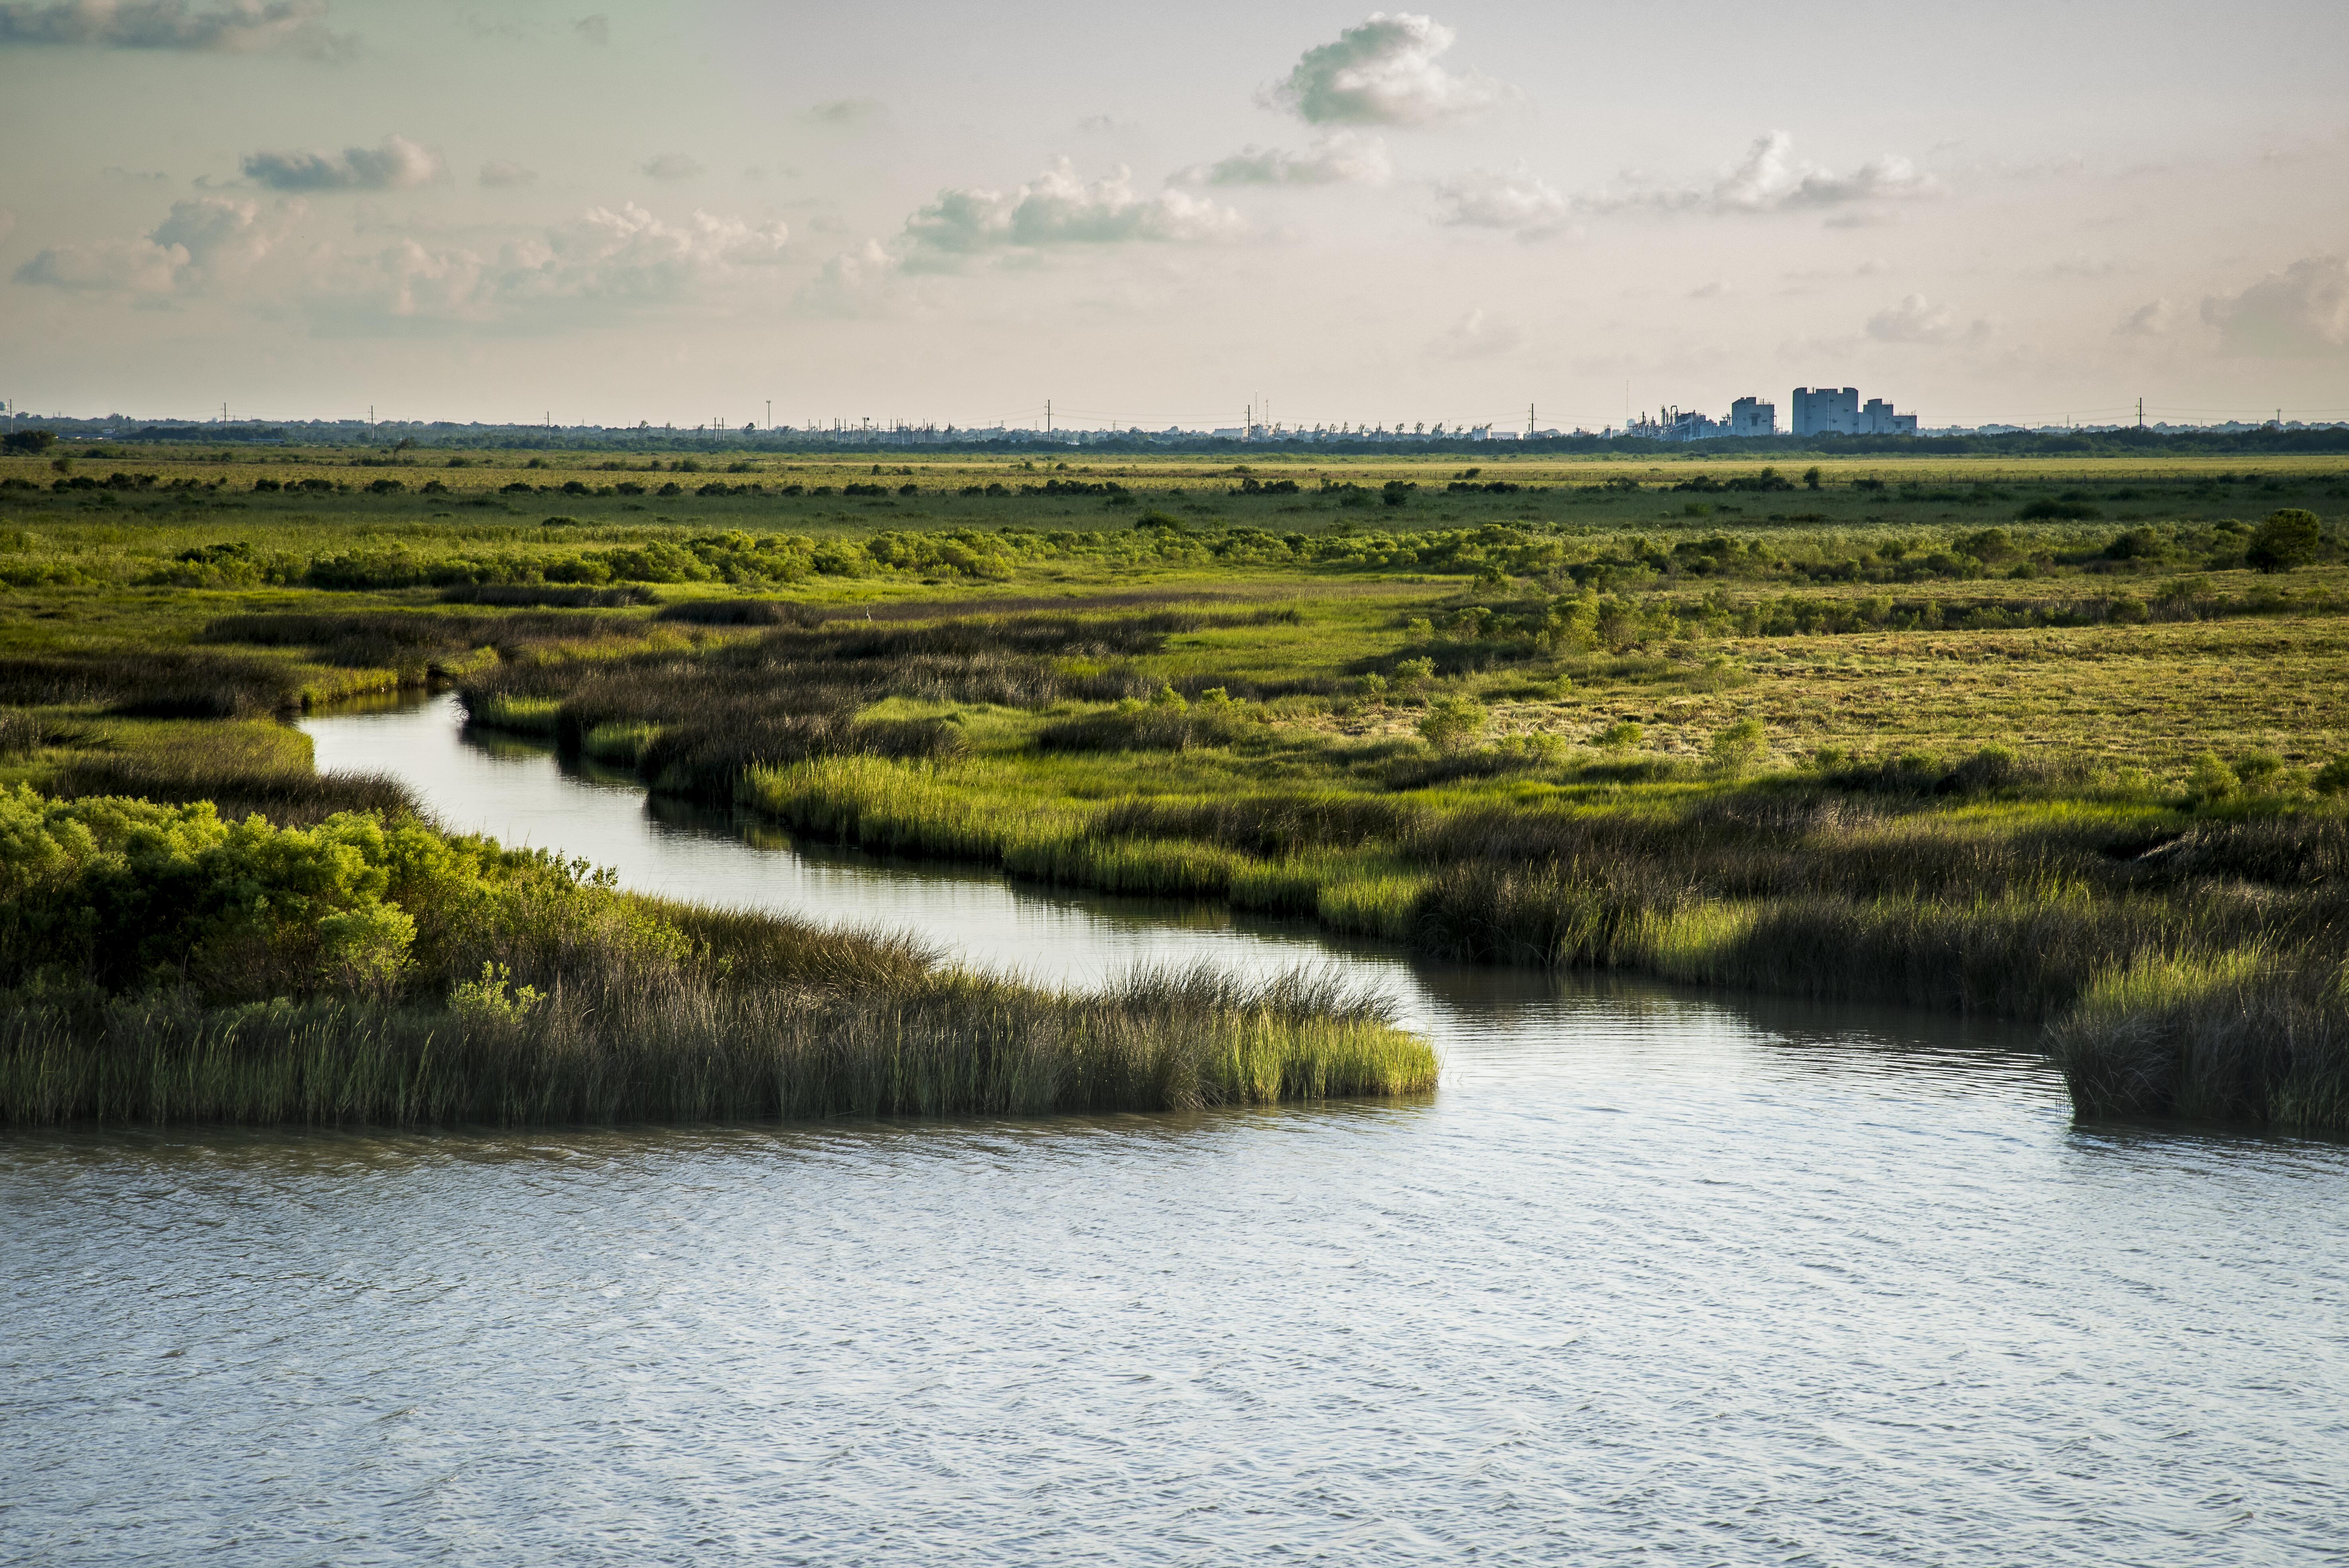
2287, 539
1452, 723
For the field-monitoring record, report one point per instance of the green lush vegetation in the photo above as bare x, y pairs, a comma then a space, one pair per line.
164, 964
2054, 739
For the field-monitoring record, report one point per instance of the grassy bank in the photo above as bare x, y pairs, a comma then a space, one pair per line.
942, 1044
163, 965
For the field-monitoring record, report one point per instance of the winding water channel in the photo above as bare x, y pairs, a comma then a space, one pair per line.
1653, 1277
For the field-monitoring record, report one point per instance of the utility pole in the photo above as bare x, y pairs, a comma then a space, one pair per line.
2140, 413
1529, 421
770, 414
1048, 416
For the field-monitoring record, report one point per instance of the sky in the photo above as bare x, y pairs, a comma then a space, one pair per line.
690, 211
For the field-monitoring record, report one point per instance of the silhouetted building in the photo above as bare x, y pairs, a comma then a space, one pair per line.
1878, 419
1752, 417
1826, 411
1837, 411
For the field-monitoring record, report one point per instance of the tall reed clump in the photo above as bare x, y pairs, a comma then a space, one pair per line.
2242, 1035
162, 965
694, 1049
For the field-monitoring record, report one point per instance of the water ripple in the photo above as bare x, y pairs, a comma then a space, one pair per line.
1651, 1278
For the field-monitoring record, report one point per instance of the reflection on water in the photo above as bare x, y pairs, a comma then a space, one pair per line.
1653, 1277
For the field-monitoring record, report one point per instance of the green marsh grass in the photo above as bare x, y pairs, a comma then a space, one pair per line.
620, 744
537, 716
1979, 780
936, 1044
2247, 1033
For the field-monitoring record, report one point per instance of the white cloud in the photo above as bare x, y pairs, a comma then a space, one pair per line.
596, 29
243, 27
1481, 198
499, 174
605, 259
671, 166
860, 283
1056, 208
1917, 319
108, 266
1770, 179
1383, 72
2300, 311
1343, 157
2157, 319
1478, 337
398, 164
203, 241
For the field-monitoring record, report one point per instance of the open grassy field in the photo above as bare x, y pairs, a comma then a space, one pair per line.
2063, 739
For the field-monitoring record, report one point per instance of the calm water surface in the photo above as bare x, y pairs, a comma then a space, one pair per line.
1651, 1278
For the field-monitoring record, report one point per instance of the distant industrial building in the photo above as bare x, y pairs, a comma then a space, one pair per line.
1675, 425
1878, 419
1826, 411
1837, 411
1747, 416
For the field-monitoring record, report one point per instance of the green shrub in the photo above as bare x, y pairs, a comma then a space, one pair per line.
1620, 736
2259, 769
494, 997
1739, 747
124, 893
1452, 723
2287, 539
121, 890
2211, 779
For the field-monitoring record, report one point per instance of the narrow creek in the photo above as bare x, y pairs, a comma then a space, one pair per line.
1686, 1278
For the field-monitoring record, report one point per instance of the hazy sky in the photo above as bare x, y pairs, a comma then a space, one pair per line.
680, 212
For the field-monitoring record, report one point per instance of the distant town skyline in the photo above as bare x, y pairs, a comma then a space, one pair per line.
1831, 413
683, 212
